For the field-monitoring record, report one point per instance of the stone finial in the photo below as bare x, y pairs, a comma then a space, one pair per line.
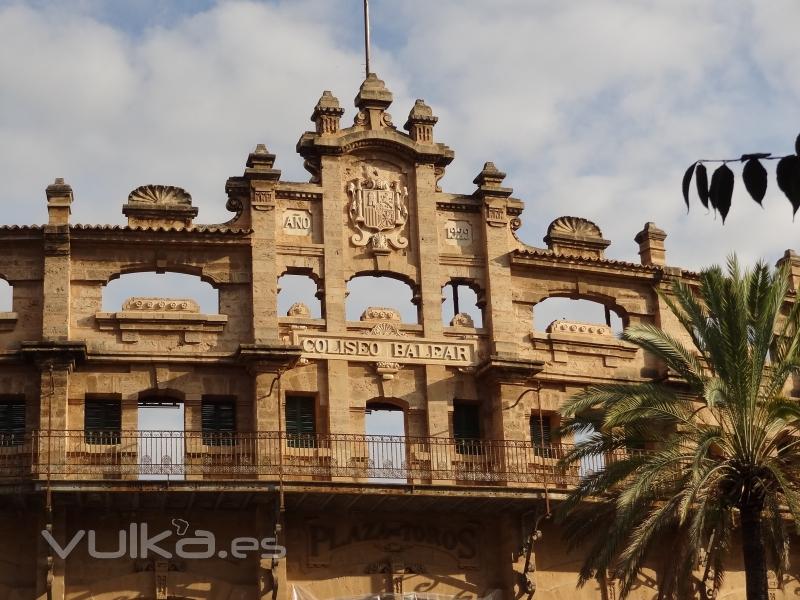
298, 309
791, 258
420, 122
327, 113
259, 165
159, 206
372, 101
462, 320
59, 200
575, 236
489, 177
651, 245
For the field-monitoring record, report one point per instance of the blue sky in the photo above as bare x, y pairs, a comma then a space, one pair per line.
593, 108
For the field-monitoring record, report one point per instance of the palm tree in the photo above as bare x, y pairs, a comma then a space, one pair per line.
722, 439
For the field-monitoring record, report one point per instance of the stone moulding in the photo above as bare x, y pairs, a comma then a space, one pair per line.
561, 344
142, 315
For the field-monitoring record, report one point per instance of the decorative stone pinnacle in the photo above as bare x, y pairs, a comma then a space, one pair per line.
490, 176
327, 113
260, 158
59, 189
327, 104
420, 122
650, 231
373, 94
59, 199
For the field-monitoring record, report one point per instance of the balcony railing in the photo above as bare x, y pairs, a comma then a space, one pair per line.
270, 456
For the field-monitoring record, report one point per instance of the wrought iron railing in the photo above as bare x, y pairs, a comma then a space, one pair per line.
196, 455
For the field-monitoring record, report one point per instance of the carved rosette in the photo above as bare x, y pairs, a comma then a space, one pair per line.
378, 210
562, 326
380, 313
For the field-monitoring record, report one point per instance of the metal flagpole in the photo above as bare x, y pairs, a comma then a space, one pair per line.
366, 34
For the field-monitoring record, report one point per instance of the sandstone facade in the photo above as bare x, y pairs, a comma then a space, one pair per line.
429, 513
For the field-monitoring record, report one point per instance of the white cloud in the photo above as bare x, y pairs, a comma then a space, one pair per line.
593, 109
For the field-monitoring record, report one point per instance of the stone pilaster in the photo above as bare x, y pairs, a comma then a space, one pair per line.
263, 215
56, 284
499, 308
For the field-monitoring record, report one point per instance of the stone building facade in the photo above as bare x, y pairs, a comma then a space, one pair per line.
273, 445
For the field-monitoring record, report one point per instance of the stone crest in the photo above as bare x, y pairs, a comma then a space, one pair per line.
378, 210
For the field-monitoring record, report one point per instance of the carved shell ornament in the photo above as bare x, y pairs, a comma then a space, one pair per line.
160, 194
574, 227
378, 210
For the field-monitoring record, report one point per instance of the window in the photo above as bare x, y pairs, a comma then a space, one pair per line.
467, 428
541, 435
12, 421
218, 421
102, 421
300, 422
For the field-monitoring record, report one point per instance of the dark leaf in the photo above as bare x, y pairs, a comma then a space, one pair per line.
721, 190
701, 179
755, 179
788, 173
687, 181
755, 155
797, 145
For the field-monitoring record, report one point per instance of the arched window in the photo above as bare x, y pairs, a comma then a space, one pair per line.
6, 296
162, 285
364, 291
583, 311
294, 290
461, 298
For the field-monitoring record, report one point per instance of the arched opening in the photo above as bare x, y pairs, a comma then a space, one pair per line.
6, 296
364, 291
461, 298
161, 443
385, 427
580, 310
161, 285
298, 296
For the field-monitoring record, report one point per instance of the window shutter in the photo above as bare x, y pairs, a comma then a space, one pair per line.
301, 426
540, 430
218, 421
102, 421
12, 422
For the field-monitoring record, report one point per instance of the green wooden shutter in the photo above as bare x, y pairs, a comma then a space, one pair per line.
540, 430
301, 426
102, 421
12, 421
218, 419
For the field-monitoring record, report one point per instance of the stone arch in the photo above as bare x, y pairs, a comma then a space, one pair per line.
373, 290
300, 293
469, 306
608, 302
150, 283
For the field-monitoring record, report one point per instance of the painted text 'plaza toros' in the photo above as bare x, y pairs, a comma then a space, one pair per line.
275, 449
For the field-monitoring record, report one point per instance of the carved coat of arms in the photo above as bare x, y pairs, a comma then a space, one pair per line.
378, 210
